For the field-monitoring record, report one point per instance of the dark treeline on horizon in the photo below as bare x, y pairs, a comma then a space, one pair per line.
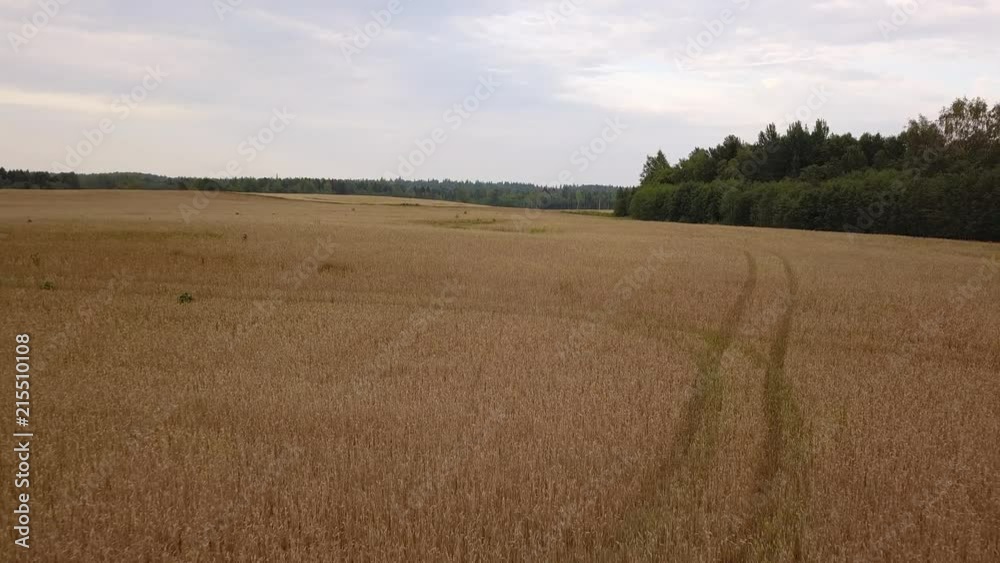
505, 194
935, 179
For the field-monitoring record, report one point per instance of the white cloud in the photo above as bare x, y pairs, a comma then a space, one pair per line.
84, 104
310, 30
631, 91
80, 45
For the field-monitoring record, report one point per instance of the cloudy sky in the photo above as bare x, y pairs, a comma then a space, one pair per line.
464, 89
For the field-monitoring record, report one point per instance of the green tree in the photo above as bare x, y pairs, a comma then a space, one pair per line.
655, 166
623, 198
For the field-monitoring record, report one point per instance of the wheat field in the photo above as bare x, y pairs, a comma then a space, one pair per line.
369, 381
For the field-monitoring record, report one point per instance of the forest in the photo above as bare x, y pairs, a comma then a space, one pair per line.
934, 179
503, 194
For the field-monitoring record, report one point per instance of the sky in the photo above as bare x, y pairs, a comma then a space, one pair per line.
570, 91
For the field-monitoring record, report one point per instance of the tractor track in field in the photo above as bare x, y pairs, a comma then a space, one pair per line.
772, 519
703, 407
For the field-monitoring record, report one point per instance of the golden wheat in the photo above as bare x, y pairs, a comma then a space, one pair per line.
370, 381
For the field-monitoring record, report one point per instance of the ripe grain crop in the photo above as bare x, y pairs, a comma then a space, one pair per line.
371, 381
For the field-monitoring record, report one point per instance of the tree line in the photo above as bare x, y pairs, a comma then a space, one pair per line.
505, 194
936, 179
29, 179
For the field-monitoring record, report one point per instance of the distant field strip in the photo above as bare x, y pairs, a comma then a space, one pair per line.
348, 199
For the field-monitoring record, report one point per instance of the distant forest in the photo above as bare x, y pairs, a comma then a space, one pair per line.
934, 179
505, 194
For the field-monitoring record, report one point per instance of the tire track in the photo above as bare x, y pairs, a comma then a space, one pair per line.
703, 408
772, 525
